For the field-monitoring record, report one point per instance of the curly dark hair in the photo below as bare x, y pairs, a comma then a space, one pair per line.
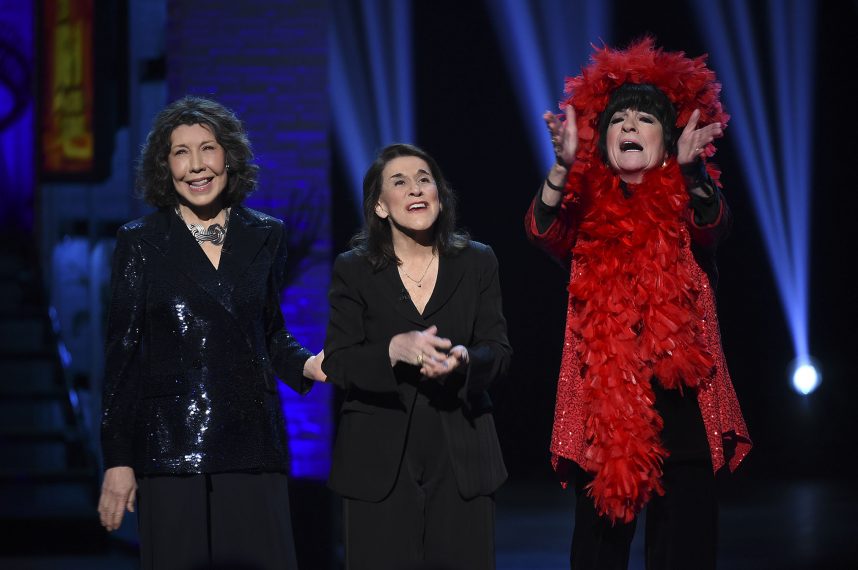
647, 99
375, 240
154, 182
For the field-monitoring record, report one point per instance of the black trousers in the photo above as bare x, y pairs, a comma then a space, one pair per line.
239, 521
423, 523
681, 526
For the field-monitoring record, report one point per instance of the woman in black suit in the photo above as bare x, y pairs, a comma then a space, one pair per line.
192, 426
416, 336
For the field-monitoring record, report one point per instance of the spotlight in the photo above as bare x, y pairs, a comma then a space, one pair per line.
777, 168
805, 376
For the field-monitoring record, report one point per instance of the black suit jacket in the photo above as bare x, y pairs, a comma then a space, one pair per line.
368, 308
191, 351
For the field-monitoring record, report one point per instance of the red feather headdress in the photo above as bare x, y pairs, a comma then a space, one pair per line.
634, 298
688, 83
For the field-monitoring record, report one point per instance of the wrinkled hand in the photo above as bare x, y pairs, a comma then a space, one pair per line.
692, 142
313, 367
564, 135
420, 348
118, 493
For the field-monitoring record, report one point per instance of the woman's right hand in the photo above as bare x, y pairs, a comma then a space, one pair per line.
564, 136
417, 347
118, 493
564, 139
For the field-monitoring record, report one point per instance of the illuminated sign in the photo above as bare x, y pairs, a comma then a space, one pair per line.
67, 129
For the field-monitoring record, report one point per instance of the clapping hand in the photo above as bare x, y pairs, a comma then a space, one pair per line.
436, 356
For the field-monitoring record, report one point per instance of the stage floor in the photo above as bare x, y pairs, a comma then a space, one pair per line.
777, 525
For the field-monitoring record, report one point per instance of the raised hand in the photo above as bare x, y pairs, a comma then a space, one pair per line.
564, 135
692, 142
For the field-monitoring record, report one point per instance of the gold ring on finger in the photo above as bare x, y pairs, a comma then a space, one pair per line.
420, 359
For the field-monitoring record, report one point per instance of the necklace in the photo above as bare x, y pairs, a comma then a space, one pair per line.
215, 233
419, 282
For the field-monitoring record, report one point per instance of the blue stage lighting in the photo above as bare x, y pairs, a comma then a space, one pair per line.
773, 130
371, 81
537, 41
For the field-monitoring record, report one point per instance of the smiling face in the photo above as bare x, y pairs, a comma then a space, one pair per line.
634, 144
409, 196
198, 166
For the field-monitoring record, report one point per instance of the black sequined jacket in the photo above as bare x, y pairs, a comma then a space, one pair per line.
192, 351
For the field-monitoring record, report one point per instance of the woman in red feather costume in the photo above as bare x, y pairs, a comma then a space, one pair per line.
645, 410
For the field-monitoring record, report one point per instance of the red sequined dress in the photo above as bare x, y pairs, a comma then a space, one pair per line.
641, 308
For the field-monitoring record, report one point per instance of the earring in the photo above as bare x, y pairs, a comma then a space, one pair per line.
227, 166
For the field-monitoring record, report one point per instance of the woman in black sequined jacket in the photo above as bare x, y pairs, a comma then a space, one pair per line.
192, 425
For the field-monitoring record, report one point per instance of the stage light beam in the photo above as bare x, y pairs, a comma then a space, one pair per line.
543, 42
775, 147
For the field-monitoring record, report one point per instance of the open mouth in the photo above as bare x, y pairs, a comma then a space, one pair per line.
418, 206
630, 146
200, 185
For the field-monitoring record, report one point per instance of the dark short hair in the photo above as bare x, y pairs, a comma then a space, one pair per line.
155, 183
375, 240
647, 99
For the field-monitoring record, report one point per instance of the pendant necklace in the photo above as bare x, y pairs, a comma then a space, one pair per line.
419, 282
215, 233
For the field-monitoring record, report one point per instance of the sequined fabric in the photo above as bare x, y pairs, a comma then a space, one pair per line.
192, 352
716, 397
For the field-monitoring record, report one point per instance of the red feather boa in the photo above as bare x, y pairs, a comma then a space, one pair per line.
635, 308
636, 316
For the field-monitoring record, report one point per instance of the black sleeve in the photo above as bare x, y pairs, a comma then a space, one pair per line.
287, 354
706, 209
123, 345
350, 359
489, 351
543, 213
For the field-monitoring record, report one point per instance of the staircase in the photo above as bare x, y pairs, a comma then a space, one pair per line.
49, 475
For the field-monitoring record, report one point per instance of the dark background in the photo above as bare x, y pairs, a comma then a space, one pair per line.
469, 120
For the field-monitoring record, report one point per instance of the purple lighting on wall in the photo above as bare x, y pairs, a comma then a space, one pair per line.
269, 65
17, 119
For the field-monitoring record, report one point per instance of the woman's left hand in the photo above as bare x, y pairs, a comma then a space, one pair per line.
692, 142
313, 367
457, 358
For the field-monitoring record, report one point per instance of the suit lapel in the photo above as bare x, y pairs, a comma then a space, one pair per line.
243, 241
395, 290
451, 269
450, 272
244, 238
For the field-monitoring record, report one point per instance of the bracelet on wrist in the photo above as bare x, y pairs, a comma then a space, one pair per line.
553, 186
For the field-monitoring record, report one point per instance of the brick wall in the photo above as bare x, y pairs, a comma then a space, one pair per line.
266, 59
